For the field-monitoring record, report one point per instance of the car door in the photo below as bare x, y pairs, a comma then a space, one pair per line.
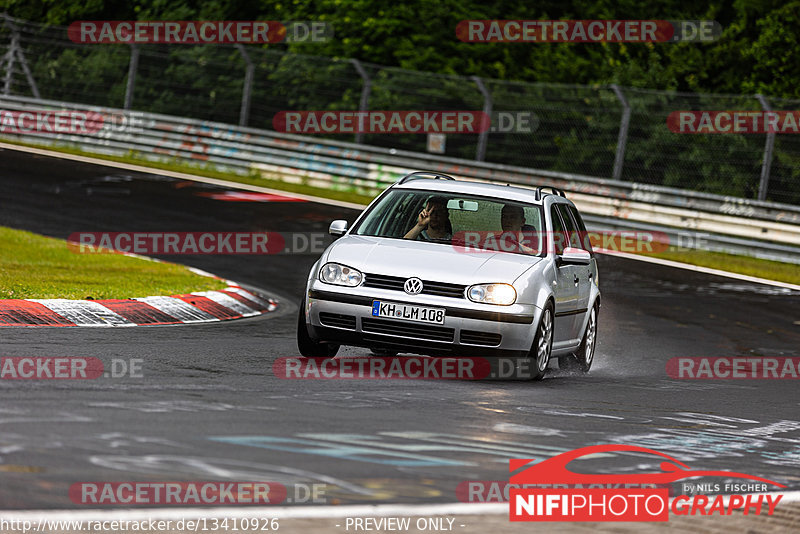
576, 231
566, 290
584, 272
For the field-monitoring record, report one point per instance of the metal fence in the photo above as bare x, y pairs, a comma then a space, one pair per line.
692, 219
603, 131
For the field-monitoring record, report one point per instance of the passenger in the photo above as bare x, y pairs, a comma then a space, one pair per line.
433, 222
523, 236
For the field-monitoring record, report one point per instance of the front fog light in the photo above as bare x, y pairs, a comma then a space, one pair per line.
500, 294
340, 275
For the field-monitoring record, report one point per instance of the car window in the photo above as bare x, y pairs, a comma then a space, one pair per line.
573, 239
559, 233
584, 241
473, 221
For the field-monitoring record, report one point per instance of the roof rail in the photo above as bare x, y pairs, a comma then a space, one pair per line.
421, 175
556, 191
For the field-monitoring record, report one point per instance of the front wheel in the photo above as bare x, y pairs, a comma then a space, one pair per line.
542, 345
581, 360
309, 347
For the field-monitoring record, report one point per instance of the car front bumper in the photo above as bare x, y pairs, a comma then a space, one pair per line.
344, 316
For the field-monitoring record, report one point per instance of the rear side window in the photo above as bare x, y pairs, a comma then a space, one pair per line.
559, 234
573, 240
583, 241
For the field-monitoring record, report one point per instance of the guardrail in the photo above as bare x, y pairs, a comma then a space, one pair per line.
741, 226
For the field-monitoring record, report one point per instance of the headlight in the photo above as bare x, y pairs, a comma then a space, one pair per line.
502, 294
341, 275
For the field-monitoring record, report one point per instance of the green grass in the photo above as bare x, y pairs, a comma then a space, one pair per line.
34, 266
771, 270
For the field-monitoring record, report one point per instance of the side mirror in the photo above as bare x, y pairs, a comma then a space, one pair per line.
575, 256
338, 228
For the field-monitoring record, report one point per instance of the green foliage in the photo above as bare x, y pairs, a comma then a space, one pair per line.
756, 53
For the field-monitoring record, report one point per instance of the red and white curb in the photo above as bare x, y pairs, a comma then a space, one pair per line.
233, 302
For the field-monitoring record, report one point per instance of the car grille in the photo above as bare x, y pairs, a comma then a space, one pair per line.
337, 320
409, 330
487, 339
395, 283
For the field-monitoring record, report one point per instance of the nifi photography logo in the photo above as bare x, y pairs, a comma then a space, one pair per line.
548, 491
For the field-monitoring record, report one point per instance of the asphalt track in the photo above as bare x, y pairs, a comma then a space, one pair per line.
208, 406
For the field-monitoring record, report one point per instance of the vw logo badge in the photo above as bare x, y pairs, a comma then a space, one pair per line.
413, 286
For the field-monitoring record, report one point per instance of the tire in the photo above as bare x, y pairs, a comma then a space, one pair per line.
581, 360
542, 344
308, 347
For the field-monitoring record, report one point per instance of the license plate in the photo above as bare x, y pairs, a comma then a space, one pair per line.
407, 312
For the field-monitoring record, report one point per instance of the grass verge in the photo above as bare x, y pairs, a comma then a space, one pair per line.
34, 266
771, 270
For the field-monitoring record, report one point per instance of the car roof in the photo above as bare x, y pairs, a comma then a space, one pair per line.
503, 192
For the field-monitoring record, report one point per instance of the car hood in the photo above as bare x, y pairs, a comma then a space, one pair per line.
427, 261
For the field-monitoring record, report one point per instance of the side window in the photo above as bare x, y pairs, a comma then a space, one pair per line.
559, 235
571, 231
583, 240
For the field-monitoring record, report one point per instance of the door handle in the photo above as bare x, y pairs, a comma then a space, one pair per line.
576, 279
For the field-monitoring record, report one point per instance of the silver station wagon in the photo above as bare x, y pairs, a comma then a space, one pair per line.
445, 267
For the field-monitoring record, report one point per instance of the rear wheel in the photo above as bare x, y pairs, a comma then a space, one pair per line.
581, 360
309, 347
542, 345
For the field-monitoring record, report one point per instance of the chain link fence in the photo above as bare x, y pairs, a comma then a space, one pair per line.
603, 131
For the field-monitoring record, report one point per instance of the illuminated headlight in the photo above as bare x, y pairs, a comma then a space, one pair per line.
502, 294
333, 273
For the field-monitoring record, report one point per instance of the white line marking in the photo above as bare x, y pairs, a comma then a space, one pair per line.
294, 512
181, 176
706, 270
289, 512
201, 272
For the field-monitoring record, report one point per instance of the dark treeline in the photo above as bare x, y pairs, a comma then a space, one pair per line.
757, 52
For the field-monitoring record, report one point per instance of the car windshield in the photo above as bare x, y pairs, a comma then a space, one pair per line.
456, 219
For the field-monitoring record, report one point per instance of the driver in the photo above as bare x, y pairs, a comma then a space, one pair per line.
433, 222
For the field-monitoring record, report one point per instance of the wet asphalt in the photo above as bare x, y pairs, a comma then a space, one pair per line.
208, 405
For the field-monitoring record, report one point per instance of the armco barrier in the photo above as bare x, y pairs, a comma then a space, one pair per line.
747, 226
